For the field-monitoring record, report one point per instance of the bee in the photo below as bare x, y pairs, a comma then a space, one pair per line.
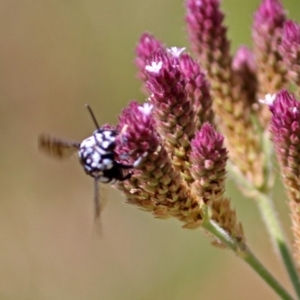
96, 155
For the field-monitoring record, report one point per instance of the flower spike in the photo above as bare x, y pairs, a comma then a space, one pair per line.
144, 50
173, 108
266, 34
244, 66
209, 41
198, 90
285, 128
209, 157
290, 51
155, 185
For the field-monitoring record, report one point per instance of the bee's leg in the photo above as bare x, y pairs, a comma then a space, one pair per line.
123, 166
125, 177
122, 173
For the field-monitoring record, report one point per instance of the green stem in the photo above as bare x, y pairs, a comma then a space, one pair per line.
273, 225
244, 252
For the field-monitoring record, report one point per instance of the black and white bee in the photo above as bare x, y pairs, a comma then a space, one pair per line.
96, 154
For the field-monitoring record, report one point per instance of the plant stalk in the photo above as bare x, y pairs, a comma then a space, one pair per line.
273, 225
244, 252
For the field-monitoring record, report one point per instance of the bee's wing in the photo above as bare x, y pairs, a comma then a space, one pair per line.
100, 201
57, 148
100, 198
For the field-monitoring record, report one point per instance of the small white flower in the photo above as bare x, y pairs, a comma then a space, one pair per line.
176, 51
146, 108
154, 67
269, 99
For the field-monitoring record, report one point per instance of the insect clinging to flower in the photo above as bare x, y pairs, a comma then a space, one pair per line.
96, 154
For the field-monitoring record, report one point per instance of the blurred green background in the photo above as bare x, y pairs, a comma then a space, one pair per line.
55, 57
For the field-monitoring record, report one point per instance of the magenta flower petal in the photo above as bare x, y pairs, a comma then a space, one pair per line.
285, 128
244, 66
198, 89
209, 157
290, 50
145, 48
172, 105
206, 32
137, 128
155, 185
266, 33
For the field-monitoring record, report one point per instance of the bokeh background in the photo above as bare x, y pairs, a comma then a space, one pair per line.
55, 56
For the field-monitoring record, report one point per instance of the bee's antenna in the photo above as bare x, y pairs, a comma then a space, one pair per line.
92, 115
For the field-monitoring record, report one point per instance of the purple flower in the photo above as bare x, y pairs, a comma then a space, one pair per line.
198, 90
155, 185
285, 128
269, 16
209, 41
172, 105
291, 35
208, 158
145, 48
165, 80
137, 130
244, 66
290, 49
207, 33
266, 33
244, 59
285, 118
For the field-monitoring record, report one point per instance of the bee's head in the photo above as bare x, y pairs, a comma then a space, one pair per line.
96, 153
